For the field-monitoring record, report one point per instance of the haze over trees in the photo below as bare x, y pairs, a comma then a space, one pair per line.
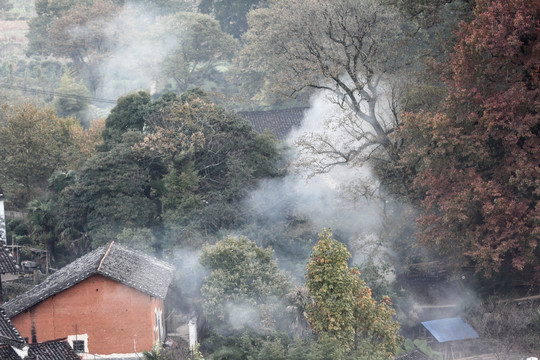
347, 48
131, 134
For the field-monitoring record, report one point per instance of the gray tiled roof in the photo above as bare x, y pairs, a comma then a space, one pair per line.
280, 122
9, 335
7, 353
7, 262
132, 268
52, 350
414, 355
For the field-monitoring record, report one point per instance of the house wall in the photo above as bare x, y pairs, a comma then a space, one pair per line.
3, 236
114, 318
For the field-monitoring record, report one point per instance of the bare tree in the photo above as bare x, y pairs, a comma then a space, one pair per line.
347, 48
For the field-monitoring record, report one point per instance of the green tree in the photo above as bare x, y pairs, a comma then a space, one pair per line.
343, 307
137, 238
128, 114
244, 283
72, 98
84, 34
35, 142
47, 11
112, 191
42, 219
213, 157
201, 50
230, 14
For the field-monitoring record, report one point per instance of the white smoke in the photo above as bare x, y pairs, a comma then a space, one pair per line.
139, 50
341, 197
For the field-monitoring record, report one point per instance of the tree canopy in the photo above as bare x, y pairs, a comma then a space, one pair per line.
35, 143
198, 48
214, 157
347, 48
232, 15
343, 307
478, 157
244, 281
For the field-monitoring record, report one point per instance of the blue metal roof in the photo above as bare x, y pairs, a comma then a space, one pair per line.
450, 329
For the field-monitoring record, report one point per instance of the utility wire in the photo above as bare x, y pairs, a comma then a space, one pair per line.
54, 93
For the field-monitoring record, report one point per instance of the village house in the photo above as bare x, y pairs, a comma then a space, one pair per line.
110, 301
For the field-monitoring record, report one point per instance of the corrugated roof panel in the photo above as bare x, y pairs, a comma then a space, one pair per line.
450, 329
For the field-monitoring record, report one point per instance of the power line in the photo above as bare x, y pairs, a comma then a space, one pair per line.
58, 94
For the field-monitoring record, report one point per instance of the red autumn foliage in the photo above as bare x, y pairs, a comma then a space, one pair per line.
478, 159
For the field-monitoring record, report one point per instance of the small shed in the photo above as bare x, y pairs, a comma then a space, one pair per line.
450, 335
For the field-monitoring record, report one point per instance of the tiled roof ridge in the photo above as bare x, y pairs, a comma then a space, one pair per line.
104, 256
104, 268
273, 110
7, 353
144, 255
54, 283
48, 341
280, 122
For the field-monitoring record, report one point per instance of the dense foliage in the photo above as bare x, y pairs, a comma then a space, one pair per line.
244, 284
35, 142
432, 104
477, 158
213, 158
343, 307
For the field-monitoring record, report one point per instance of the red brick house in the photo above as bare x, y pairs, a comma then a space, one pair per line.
110, 301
